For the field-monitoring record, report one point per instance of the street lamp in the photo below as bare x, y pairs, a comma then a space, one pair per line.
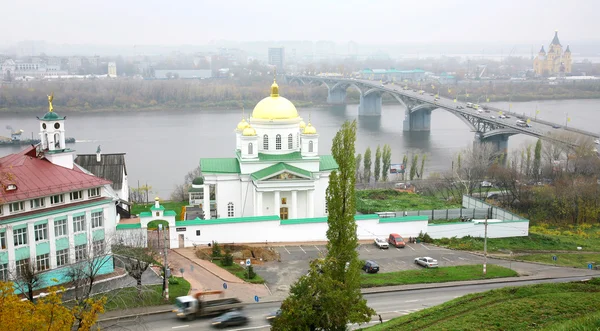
165, 267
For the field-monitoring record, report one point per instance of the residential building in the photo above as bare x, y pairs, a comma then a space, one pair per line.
112, 70
277, 58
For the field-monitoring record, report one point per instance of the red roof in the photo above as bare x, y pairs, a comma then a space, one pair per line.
36, 177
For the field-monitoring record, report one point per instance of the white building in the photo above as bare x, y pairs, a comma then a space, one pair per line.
277, 169
112, 70
52, 213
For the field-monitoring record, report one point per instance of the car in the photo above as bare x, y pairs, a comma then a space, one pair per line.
485, 183
414, 90
493, 117
431, 94
381, 243
371, 267
502, 116
555, 126
436, 99
231, 318
272, 316
426, 262
396, 240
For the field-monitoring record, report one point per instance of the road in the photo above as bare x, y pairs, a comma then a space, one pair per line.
389, 305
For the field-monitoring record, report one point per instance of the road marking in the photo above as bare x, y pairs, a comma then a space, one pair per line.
462, 258
318, 249
446, 259
286, 250
252, 328
411, 300
302, 249
426, 247
397, 248
367, 249
410, 247
179, 327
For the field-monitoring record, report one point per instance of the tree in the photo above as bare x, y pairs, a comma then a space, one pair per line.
377, 163
404, 164
528, 161
358, 161
422, 170
27, 279
387, 162
136, 257
329, 296
537, 159
413, 166
367, 165
180, 193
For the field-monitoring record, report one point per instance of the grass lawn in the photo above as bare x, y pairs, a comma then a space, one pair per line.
435, 275
151, 295
169, 205
240, 272
564, 306
370, 201
564, 259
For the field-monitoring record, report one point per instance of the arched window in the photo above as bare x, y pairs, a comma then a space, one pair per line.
266, 142
230, 212
310, 146
290, 141
278, 141
250, 151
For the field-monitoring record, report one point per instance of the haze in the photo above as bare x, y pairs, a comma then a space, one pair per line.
190, 22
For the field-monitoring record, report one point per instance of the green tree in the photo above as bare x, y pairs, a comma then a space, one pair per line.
422, 170
329, 297
413, 166
358, 161
537, 159
528, 162
405, 164
387, 162
367, 165
377, 163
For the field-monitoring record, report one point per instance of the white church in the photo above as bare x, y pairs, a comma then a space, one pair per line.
277, 169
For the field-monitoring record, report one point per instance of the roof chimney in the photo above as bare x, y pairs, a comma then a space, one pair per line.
98, 154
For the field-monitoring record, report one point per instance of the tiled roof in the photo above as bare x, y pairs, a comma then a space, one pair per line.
327, 162
111, 167
228, 165
555, 40
38, 177
278, 168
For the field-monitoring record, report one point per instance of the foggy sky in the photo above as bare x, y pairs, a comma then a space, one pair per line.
176, 22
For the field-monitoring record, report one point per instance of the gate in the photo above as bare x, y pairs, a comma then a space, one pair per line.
156, 238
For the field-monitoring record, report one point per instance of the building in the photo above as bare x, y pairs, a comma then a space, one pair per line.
53, 215
112, 70
182, 73
555, 62
276, 170
19, 70
277, 58
393, 74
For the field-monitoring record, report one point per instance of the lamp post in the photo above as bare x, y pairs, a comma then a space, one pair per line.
166, 268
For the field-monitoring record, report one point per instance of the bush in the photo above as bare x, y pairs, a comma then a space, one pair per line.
216, 249
227, 259
250, 274
424, 237
173, 281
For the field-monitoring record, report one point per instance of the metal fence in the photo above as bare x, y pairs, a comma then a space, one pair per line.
495, 212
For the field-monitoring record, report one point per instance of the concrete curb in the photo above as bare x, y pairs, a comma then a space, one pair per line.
214, 274
116, 318
532, 262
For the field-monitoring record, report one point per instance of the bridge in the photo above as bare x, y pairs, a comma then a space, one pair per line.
418, 107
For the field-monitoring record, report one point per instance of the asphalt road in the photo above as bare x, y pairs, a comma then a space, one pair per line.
389, 305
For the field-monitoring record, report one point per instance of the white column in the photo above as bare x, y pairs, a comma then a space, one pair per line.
31, 241
71, 238
310, 203
10, 245
52, 243
294, 207
206, 203
259, 204
276, 203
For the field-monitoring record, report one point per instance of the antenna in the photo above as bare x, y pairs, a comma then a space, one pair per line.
275, 73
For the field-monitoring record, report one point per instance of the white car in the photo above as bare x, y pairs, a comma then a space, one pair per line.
493, 117
381, 243
426, 262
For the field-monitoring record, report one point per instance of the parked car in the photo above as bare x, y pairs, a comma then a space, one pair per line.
485, 183
381, 243
371, 267
232, 318
426, 262
271, 317
396, 240
555, 126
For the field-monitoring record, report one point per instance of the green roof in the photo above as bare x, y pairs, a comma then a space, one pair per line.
52, 116
404, 219
278, 168
160, 207
195, 189
280, 157
304, 221
216, 221
198, 180
170, 213
366, 217
145, 214
228, 165
128, 226
327, 163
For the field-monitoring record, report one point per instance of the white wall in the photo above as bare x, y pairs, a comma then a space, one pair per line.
132, 237
495, 230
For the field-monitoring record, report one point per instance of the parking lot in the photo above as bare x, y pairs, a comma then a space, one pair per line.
295, 261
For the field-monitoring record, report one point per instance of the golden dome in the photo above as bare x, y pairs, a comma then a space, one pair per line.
249, 131
242, 124
302, 125
310, 129
275, 107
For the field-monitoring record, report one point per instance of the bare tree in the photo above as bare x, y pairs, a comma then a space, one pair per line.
136, 257
180, 193
27, 279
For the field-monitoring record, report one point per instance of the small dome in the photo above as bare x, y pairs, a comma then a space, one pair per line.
302, 125
275, 107
198, 181
156, 199
242, 125
310, 129
249, 131
51, 116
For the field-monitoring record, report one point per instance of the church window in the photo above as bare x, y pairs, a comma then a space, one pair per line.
266, 142
250, 151
290, 141
278, 141
310, 146
57, 126
230, 212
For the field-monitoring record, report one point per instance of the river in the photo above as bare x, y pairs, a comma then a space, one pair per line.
162, 146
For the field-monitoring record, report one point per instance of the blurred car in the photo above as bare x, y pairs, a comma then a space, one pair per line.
371, 267
555, 126
493, 117
232, 318
426, 262
273, 316
485, 183
396, 240
381, 243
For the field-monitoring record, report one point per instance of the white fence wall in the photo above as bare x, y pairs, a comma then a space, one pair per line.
495, 230
131, 237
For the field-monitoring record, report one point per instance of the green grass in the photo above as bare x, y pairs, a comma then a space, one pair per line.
151, 295
240, 272
512, 308
370, 201
564, 259
585, 323
435, 275
169, 205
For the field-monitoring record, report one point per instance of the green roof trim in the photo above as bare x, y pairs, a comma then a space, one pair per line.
327, 163
129, 226
51, 116
280, 157
279, 168
450, 223
229, 165
170, 213
195, 189
67, 208
217, 221
160, 207
404, 219
366, 217
304, 221
145, 214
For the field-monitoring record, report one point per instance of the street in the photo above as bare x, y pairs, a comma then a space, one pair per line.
389, 305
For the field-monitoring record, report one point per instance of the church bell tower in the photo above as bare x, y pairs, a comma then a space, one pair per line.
52, 138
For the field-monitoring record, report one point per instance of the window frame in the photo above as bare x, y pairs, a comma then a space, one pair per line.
80, 253
265, 142
40, 232
19, 265
19, 204
95, 191
79, 222
290, 141
63, 226
78, 194
98, 222
3, 241
278, 142
21, 234
310, 146
198, 233
230, 210
38, 205
98, 247
4, 272
250, 149
61, 199
42, 262
62, 255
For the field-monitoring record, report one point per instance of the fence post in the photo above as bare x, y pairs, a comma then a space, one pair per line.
446, 214
461, 213
474, 212
433, 214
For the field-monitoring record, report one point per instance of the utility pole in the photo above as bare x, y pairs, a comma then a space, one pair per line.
484, 248
166, 268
